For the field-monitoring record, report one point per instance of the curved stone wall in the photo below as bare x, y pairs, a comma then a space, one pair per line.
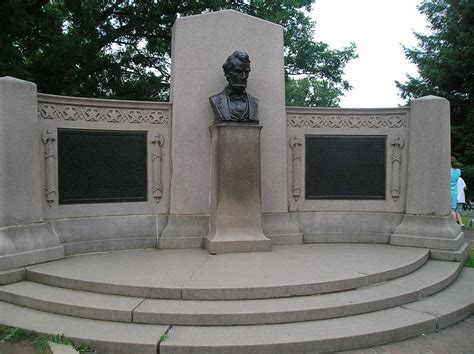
51, 230
341, 220
108, 226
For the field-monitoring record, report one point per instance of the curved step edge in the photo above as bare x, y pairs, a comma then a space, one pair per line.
103, 336
70, 302
192, 292
337, 334
432, 277
326, 335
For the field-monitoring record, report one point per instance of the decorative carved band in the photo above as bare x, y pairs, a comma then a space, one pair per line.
397, 146
157, 157
346, 121
49, 140
296, 145
101, 114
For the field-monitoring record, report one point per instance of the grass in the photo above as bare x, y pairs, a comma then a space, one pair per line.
470, 260
465, 221
40, 342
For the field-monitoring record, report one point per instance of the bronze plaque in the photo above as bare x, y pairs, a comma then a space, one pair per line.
98, 166
345, 167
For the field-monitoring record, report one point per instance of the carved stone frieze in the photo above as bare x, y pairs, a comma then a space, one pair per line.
49, 141
397, 146
48, 110
346, 121
157, 159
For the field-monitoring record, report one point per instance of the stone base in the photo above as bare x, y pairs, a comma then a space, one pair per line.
334, 237
28, 244
348, 227
110, 233
184, 231
282, 228
440, 234
229, 246
236, 205
109, 245
459, 255
21, 259
180, 242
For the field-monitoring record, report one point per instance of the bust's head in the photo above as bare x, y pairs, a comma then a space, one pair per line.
236, 70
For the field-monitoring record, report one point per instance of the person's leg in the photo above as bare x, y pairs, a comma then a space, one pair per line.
458, 213
453, 214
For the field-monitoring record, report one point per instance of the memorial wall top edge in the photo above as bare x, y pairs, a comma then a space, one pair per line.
228, 13
105, 102
102, 102
347, 111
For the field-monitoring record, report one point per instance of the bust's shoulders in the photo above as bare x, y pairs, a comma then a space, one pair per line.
252, 99
218, 95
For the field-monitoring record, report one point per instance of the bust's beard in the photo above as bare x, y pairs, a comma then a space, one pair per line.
237, 88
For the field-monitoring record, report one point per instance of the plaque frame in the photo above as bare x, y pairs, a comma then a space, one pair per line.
380, 191
137, 193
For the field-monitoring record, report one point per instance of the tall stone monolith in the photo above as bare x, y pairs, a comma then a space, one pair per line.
200, 46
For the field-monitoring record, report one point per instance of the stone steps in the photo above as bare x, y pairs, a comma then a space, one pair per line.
444, 308
104, 336
350, 332
427, 280
293, 299
195, 275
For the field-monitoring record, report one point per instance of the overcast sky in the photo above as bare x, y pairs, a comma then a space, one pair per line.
378, 28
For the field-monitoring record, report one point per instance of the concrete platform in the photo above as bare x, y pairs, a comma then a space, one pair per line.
195, 275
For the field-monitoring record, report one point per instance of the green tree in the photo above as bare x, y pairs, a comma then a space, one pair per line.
121, 48
445, 60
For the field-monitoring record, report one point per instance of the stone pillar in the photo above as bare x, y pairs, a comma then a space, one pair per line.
20, 151
24, 238
236, 222
200, 45
427, 221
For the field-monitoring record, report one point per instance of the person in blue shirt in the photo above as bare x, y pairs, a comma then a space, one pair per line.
455, 174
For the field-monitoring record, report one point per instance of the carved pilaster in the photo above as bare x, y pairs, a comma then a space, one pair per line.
295, 145
49, 141
157, 159
397, 146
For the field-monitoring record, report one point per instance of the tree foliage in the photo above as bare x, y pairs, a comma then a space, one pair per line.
445, 61
121, 48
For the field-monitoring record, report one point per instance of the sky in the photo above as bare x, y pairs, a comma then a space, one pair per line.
378, 28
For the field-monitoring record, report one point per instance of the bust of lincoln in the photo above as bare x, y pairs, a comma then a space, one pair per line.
234, 104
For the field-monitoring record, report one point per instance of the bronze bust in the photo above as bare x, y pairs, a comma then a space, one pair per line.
234, 104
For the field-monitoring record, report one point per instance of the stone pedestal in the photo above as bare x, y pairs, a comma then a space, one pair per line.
427, 222
20, 171
236, 221
24, 237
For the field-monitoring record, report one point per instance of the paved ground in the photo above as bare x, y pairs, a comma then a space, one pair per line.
456, 339
469, 237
